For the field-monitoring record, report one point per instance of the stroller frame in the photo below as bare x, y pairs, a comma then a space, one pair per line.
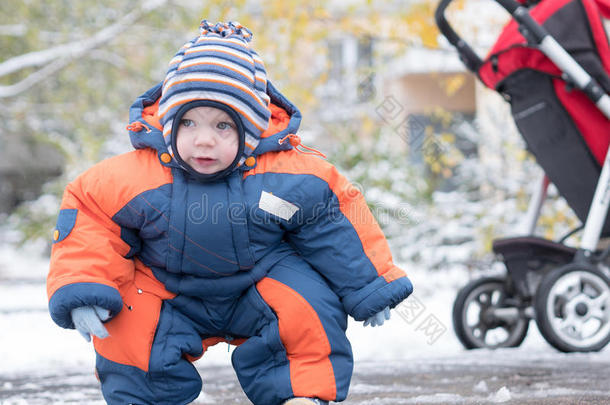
510, 303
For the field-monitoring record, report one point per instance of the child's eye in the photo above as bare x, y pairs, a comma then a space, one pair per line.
225, 126
185, 122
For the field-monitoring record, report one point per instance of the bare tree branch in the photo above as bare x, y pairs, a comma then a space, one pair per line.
13, 30
65, 53
109, 57
38, 76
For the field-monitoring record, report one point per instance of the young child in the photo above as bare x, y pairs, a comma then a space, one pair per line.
218, 228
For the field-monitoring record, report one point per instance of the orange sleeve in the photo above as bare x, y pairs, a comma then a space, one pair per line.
88, 263
93, 250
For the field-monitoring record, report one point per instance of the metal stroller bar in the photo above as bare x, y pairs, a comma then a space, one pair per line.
528, 227
598, 211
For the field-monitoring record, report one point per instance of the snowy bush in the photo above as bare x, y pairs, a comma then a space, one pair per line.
445, 213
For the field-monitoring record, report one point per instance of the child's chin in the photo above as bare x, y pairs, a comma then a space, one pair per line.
209, 169
206, 171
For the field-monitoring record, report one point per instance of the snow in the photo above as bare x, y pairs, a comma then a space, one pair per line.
481, 387
436, 398
503, 395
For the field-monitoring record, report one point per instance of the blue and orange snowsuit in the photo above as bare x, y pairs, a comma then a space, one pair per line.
272, 258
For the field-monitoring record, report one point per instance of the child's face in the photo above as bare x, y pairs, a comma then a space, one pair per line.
207, 139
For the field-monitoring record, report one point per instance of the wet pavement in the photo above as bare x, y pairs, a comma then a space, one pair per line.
479, 377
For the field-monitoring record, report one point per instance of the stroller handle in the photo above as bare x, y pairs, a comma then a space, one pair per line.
468, 56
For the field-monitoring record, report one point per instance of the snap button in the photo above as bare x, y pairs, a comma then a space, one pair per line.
251, 161
139, 291
166, 157
56, 235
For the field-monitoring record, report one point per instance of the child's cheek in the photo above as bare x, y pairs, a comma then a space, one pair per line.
235, 142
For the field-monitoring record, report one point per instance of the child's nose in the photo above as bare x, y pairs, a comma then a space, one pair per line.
205, 137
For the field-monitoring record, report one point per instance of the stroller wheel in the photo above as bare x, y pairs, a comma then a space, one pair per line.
573, 308
483, 316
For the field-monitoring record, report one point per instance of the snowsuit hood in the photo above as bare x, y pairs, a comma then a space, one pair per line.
146, 131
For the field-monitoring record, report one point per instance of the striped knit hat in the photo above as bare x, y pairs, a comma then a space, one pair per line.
219, 66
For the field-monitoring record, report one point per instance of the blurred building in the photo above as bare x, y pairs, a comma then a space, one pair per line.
413, 93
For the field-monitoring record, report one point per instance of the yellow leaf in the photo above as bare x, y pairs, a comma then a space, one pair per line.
454, 83
368, 125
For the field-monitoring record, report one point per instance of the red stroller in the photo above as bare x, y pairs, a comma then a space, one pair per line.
551, 63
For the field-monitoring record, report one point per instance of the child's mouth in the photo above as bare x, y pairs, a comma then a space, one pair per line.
204, 161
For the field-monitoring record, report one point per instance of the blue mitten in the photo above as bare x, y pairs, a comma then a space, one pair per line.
88, 321
379, 318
